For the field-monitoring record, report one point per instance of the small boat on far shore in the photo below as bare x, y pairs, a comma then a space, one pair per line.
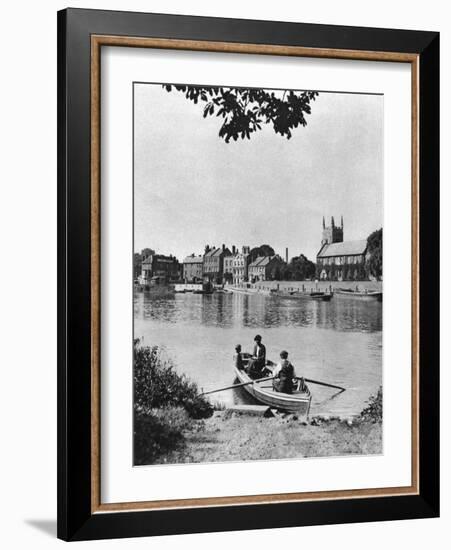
319, 296
203, 291
363, 294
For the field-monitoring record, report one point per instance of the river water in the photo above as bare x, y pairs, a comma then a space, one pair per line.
339, 342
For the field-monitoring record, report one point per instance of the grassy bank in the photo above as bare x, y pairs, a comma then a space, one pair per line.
234, 437
241, 438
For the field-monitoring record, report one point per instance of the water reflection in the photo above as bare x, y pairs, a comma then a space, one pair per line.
259, 311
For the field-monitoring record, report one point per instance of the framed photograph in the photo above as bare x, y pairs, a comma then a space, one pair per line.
248, 274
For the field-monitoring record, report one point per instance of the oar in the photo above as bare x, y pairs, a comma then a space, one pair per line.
237, 385
322, 383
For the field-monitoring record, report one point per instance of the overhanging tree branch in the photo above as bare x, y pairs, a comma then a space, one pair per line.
245, 110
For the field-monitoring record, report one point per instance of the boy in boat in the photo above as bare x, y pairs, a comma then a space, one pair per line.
283, 375
258, 360
238, 359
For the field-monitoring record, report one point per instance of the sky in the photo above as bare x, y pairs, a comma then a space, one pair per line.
192, 189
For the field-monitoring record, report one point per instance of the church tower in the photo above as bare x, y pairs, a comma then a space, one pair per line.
333, 233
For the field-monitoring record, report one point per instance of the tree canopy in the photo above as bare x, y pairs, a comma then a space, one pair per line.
245, 110
259, 251
373, 262
301, 268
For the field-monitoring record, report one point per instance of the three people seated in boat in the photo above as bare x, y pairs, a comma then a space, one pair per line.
284, 374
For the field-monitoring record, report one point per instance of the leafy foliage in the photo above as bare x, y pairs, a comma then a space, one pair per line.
373, 412
156, 384
245, 110
373, 264
349, 272
301, 268
259, 251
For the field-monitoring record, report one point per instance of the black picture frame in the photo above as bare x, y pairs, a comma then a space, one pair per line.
76, 521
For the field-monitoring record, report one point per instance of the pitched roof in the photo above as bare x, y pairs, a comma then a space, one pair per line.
150, 259
257, 261
262, 261
346, 248
193, 260
217, 252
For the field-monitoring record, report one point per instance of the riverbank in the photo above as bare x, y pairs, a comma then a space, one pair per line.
241, 438
282, 286
230, 436
317, 286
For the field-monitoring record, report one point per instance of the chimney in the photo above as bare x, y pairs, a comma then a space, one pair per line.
223, 247
286, 255
233, 250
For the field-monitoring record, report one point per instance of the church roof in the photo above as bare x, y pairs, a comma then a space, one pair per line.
346, 248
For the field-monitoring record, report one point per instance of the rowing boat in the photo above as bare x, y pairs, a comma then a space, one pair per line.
365, 294
296, 402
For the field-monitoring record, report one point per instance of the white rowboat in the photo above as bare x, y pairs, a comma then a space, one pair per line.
296, 402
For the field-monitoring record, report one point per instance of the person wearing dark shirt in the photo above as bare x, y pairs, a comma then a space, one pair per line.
283, 374
258, 360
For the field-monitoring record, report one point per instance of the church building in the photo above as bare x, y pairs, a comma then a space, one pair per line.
339, 260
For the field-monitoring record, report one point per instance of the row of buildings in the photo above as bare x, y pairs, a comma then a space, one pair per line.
222, 265
336, 260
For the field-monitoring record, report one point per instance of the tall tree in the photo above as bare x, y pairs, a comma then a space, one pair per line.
258, 251
245, 110
301, 268
373, 263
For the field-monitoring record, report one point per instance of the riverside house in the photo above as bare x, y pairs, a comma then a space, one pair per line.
193, 268
160, 268
266, 268
228, 268
213, 264
240, 265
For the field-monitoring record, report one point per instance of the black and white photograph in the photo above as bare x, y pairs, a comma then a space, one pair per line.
257, 273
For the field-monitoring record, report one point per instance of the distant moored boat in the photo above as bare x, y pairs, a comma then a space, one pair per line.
365, 294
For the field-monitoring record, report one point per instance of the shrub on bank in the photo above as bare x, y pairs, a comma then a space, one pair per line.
164, 404
373, 411
156, 384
